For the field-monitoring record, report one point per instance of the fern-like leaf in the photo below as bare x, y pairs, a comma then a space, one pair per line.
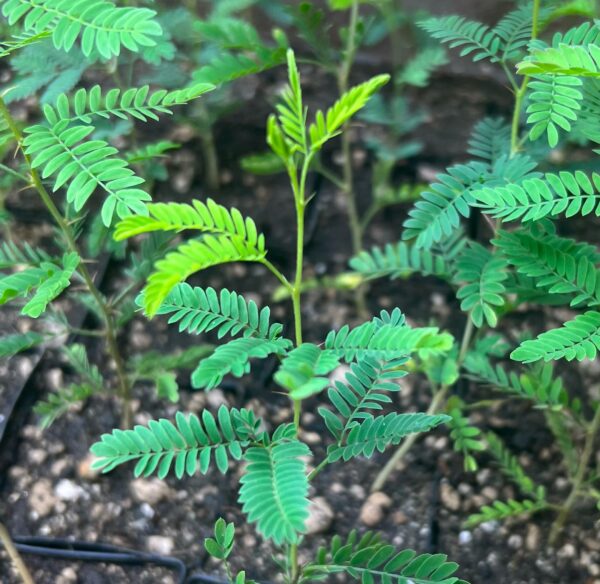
99, 24
138, 103
60, 151
209, 217
576, 339
227, 67
229, 237
386, 341
192, 257
554, 103
515, 31
474, 38
564, 60
198, 310
377, 433
13, 254
274, 491
566, 192
466, 437
20, 41
303, 370
559, 265
372, 561
440, 209
500, 510
364, 390
538, 385
328, 125
185, 447
484, 276
234, 358
399, 260
509, 464
47, 279
490, 139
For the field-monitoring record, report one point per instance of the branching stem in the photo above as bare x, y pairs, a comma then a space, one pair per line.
111, 339
579, 478
437, 403
522, 90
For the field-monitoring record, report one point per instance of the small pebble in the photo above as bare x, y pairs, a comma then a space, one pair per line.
151, 491
373, 510
160, 544
67, 490
320, 516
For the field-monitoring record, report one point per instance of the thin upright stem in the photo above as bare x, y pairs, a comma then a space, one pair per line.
578, 479
14, 555
111, 339
522, 89
435, 407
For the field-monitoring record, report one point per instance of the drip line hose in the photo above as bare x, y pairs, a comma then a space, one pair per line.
81, 551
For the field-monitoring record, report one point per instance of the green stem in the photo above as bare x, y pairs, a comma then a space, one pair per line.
111, 339
299, 190
520, 92
435, 406
578, 480
284, 281
315, 471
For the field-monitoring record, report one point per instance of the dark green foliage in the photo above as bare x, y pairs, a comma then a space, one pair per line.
534, 199
399, 260
99, 24
364, 391
60, 151
198, 310
490, 139
377, 433
185, 448
560, 266
386, 340
303, 369
483, 275
576, 339
466, 437
137, 103
234, 358
274, 489
46, 280
370, 560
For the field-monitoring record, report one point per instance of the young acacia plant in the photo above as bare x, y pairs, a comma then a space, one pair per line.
276, 475
65, 159
524, 259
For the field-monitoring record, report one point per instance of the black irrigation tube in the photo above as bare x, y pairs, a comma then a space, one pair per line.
82, 551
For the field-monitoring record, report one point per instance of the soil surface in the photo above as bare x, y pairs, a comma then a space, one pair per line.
49, 489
